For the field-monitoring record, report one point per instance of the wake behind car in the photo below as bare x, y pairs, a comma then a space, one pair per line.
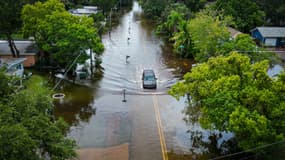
149, 79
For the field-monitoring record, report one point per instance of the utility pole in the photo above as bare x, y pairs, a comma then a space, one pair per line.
91, 61
111, 19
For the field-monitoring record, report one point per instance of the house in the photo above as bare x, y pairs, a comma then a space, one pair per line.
269, 36
233, 32
27, 49
14, 66
86, 10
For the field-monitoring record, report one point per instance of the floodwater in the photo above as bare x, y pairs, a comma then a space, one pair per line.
99, 120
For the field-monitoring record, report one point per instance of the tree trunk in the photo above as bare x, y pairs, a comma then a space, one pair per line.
9, 38
14, 50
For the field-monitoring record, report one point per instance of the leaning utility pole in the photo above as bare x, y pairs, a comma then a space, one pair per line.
91, 61
111, 19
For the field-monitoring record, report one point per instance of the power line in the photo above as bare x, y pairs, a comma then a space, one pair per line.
249, 150
67, 70
258, 51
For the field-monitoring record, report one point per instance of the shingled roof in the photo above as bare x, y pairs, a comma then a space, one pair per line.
24, 47
272, 31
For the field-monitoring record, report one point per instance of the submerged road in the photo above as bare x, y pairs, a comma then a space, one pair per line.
150, 124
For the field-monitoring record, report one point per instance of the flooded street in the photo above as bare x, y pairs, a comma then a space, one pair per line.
150, 125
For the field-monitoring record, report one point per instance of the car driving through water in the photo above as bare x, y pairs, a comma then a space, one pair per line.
149, 79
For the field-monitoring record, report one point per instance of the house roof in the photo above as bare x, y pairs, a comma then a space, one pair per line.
24, 47
83, 11
94, 8
233, 32
271, 31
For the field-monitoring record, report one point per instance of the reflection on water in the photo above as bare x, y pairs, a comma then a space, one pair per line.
98, 118
75, 107
186, 139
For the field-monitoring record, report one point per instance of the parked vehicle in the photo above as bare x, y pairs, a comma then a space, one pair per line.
149, 79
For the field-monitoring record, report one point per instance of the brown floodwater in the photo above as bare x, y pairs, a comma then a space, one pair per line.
99, 119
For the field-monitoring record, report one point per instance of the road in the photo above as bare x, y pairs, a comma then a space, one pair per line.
150, 123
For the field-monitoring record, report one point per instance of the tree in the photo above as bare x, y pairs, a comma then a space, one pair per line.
105, 5
236, 96
195, 5
10, 21
60, 33
5, 90
177, 7
246, 13
10, 15
208, 34
27, 128
274, 11
170, 26
153, 8
245, 45
183, 44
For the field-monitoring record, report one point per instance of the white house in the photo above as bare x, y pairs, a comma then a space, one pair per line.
14, 66
86, 10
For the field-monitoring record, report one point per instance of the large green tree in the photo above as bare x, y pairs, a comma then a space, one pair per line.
246, 13
105, 5
10, 15
153, 8
60, 33
170, 26
27, 128
11, 23
195, 5
274, 11
183, 44
208, 34
10, 12
237, 96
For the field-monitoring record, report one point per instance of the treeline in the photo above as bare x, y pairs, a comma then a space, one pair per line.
201, 31
247, 14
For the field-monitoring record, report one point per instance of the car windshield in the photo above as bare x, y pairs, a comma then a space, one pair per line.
149, 78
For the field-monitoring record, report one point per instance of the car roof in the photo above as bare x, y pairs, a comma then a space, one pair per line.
148, 72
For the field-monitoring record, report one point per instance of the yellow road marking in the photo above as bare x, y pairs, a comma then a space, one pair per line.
158, 120
159, 127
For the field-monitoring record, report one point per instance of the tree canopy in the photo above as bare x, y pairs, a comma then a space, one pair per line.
153, 8
195, 5
10, 15
237, 96
274, 11
208, 34
245, 45
105, 5
58, 32
246, 13
27, 128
